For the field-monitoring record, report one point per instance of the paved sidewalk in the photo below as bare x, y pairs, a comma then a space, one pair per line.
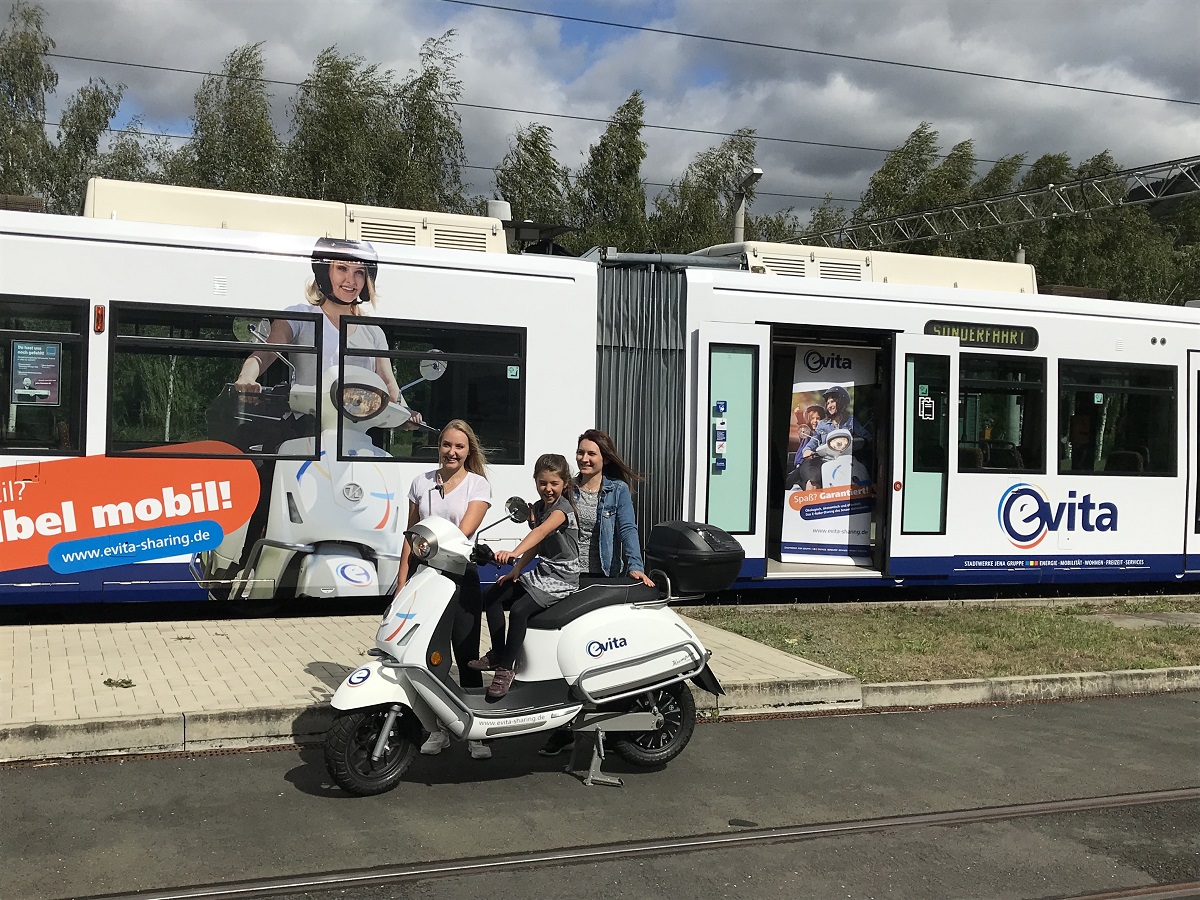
78, 690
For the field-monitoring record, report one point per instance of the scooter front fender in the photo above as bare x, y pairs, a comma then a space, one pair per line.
374, 684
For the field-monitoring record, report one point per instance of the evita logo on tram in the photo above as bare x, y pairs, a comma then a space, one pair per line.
1027, 516
815, 362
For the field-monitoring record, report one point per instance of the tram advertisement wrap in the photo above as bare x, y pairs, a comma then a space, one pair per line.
830, 497
96, 512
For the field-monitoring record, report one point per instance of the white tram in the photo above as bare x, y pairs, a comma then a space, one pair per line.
846, 432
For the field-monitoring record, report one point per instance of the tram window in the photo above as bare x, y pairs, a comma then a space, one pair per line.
478, 374
172, 372
1001, 413
1116, 419
41, 375
927, 426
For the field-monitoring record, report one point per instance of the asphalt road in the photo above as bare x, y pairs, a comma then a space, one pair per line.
120, 826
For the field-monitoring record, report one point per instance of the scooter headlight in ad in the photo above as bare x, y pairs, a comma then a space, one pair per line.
360, 402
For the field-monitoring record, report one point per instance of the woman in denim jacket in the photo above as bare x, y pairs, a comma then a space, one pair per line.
609, 544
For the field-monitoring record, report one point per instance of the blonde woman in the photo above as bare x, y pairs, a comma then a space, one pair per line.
457, 490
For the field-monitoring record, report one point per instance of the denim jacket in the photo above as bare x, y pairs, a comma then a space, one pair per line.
617, 527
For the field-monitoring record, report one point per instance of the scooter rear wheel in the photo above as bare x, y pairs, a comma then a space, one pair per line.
663, 744
348, 747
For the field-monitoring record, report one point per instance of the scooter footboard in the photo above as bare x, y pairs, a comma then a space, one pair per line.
626, 677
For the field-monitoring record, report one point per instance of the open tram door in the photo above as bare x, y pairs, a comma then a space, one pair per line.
924, 442
1191, 541
730, 391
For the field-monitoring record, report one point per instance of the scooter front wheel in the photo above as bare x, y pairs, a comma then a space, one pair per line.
350, 742
654, 748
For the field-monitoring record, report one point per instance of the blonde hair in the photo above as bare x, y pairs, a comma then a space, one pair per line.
313, 295
476, 460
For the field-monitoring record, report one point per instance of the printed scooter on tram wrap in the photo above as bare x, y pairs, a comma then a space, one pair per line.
611, 658
333, 525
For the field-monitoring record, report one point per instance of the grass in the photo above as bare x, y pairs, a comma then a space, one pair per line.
888, 643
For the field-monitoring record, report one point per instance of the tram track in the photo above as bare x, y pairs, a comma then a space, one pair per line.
1188, 890
747, 835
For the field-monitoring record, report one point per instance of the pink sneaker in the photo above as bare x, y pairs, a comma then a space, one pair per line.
501, 682
485, 663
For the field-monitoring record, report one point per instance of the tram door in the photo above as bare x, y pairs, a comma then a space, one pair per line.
728, 487
1191, 556
925, 440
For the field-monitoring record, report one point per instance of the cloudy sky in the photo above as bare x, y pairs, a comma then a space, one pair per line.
763, 74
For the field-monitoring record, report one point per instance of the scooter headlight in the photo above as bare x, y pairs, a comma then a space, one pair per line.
360, 402
422, 547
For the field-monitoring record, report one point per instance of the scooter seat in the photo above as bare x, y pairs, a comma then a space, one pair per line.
610, 592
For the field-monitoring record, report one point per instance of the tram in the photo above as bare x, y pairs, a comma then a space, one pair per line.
849, 431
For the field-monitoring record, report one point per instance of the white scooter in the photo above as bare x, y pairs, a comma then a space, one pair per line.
334, 526
610, 658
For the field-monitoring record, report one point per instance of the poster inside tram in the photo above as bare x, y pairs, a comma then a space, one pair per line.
830, 495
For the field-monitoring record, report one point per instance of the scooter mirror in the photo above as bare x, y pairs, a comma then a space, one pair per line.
433, 369
251, 331
430, 369
518, 509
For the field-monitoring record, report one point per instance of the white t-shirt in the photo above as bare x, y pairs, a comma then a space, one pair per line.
362, 337
425, 492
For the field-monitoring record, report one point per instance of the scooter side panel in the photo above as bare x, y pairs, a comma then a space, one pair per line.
623, 647
416, 612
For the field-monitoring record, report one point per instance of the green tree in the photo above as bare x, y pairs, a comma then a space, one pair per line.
341, 121
897, 184
783, 225
990, 243
607, 199
25, 81
423, 164
1122, 251
826, 217
84, 121
234, 146
531, 179
1184, 225
697, 210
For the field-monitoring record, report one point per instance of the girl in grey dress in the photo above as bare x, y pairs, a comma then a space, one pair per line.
554, 538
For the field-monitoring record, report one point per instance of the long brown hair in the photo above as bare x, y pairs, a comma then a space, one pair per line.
476, 460
614, 467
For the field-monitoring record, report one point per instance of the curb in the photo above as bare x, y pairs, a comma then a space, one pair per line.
1024, 688
272, 726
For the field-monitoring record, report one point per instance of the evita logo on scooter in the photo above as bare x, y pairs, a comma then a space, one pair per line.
596, 648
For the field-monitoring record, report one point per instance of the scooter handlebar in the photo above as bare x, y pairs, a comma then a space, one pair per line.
482, 555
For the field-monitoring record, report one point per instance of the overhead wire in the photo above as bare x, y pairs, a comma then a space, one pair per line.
824, 53
142, 132
509, 109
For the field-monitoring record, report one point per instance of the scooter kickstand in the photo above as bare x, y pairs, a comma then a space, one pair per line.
595, 738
